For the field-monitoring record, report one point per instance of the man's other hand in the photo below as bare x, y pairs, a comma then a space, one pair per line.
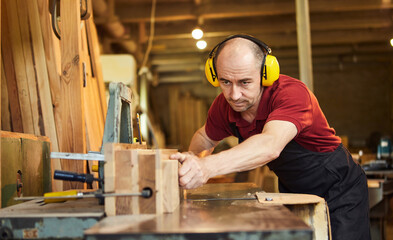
193, 172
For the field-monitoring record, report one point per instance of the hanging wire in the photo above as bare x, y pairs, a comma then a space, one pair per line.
55, 26
151, 36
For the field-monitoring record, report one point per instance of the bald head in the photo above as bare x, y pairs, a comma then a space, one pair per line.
240, 50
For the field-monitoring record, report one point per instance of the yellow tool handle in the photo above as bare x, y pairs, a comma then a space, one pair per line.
94, 168
61, 194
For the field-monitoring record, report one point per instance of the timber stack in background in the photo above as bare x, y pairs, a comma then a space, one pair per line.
52, 87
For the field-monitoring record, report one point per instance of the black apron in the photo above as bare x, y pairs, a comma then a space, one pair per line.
333, 176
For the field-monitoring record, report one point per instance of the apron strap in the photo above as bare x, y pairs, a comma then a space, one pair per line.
236, 132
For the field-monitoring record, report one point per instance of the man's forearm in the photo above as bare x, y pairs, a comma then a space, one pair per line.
201, 144
246, 156
256, 151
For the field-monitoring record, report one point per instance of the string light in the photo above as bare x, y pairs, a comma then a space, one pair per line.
201, 44
197, 33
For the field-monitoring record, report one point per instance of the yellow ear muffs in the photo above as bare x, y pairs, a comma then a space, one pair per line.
211, 73
271, 71
270, 68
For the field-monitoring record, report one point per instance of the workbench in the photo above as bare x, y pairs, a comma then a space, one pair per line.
214, 211
380, 191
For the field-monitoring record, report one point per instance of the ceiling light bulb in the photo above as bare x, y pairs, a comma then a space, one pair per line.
391, 42
201, 44
197, 33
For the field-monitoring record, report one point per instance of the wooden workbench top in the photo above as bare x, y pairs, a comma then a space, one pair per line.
201, 217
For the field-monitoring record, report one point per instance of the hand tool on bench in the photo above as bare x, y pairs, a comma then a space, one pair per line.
76, 194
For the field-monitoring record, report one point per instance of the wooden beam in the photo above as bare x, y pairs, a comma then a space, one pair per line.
133, 13
304, 43
287, 40
276, 24
73, 134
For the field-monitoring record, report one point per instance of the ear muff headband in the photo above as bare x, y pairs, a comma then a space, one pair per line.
270, 68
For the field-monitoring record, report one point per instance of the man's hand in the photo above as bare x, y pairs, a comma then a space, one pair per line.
193, 172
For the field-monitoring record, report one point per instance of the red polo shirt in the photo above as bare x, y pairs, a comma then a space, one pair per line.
288, 99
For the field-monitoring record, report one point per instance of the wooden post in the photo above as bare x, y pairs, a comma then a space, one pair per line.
72, 137
130, 170
304, 43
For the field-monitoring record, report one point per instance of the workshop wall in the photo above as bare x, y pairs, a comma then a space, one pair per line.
356, 100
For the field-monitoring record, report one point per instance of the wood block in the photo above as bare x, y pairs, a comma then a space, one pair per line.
11, 162
30, 155
126, 181
36, 167
117, 175
147, 179
170, 179
165, 153
131, 170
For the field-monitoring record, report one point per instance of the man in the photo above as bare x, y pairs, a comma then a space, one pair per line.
282, 126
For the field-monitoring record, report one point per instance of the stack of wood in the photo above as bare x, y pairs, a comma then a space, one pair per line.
187, 114
52, 87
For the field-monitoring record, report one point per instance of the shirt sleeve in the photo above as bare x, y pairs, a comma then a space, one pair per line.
217, 123
293, 104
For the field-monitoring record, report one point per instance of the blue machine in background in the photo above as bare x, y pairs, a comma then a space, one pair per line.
384, 156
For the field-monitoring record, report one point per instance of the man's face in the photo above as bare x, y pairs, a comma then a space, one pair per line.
240, 80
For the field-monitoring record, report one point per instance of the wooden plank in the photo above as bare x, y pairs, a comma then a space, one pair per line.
170, 186
83, 208
110, 176
147, 179
126, 181
128, 170
35, 158
72, 137
44, 84
94, 51
6, 134
16, 46
310, 208
93, 112
5, 104
28, 64
30, 154
94, 121
8, 62
11, 162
